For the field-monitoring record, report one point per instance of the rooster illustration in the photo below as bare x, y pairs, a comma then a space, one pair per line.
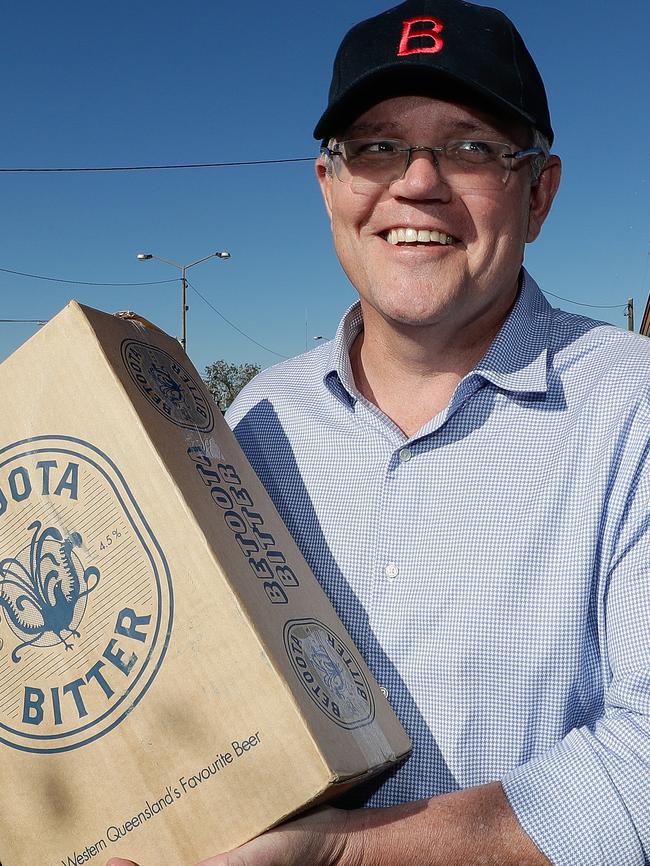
332, 673
45, 602
170, 389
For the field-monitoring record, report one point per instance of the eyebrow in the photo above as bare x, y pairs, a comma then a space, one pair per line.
460, 127
372, 128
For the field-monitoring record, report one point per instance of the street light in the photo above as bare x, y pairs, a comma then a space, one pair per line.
144, 257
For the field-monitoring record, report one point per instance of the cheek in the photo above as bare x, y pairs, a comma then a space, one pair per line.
351, 208
350, 257
342, 234
500, 226
351, 213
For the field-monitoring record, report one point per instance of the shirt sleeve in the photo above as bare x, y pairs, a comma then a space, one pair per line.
586, 802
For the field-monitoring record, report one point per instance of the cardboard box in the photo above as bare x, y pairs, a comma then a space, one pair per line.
173, 681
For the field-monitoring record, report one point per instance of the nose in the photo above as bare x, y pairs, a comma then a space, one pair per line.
422, 178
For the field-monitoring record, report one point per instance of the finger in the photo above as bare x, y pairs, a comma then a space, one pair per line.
313, 840
117, 861
263, 851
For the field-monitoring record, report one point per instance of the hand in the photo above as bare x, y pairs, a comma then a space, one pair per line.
472, 826
321, 838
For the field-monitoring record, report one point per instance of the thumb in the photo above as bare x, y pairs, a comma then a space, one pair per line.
316, 839
117, 861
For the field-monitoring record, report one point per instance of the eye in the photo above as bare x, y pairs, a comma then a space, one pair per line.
382, 146
372, 148
475, 151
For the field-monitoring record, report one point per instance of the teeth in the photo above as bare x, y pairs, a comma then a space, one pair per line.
415, 236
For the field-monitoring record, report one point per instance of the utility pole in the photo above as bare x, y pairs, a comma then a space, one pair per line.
145, 257
184, 308
630, 314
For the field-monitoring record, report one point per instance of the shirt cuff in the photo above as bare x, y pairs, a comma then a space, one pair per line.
567, 804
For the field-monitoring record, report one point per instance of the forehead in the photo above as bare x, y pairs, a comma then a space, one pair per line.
405, 116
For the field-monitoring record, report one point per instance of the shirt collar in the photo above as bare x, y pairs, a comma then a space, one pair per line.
516, 361
338, 376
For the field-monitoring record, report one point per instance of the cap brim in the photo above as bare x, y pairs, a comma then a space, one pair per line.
414, 80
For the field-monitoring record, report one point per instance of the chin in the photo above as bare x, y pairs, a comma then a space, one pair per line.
413, 318
415, 311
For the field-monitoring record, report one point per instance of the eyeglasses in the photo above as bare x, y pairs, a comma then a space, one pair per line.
464, 165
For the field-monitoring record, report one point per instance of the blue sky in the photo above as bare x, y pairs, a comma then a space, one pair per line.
133, 83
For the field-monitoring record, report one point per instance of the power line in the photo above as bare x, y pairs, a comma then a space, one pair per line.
239, 331
83, 282
151, 283
595, 306
159, 167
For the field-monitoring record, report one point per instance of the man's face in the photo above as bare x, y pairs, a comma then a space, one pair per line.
467, 283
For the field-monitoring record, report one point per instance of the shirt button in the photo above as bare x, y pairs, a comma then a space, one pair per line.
405, 455
384, 691
391, 571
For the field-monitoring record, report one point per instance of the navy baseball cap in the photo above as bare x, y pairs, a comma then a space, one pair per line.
440, 48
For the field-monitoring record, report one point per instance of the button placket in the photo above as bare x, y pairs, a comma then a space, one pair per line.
388, 570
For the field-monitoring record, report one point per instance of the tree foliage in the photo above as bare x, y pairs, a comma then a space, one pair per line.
226, 380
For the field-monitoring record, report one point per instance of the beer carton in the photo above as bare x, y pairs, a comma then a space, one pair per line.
173, 680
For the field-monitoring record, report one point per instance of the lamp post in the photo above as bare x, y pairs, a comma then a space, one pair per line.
144, 257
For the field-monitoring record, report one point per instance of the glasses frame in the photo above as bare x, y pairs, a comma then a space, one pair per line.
338, 156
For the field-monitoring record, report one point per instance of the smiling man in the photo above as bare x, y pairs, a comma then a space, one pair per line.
465, 470
432, 239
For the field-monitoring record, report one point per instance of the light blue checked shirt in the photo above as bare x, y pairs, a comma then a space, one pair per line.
494, 569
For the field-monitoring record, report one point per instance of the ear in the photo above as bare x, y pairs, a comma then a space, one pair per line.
542, 195
325, 182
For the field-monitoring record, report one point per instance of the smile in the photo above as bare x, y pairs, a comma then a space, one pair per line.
417, 236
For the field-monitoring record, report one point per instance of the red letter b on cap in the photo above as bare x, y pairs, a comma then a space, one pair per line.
431, 32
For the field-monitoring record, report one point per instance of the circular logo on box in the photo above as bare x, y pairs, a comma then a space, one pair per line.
168, 386
329, 673
86, 600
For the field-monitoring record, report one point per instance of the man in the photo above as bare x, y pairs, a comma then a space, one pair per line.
465, 470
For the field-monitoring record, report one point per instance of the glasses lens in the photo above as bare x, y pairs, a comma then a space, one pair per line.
476, 164
476, 153
464, 165
370, 161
